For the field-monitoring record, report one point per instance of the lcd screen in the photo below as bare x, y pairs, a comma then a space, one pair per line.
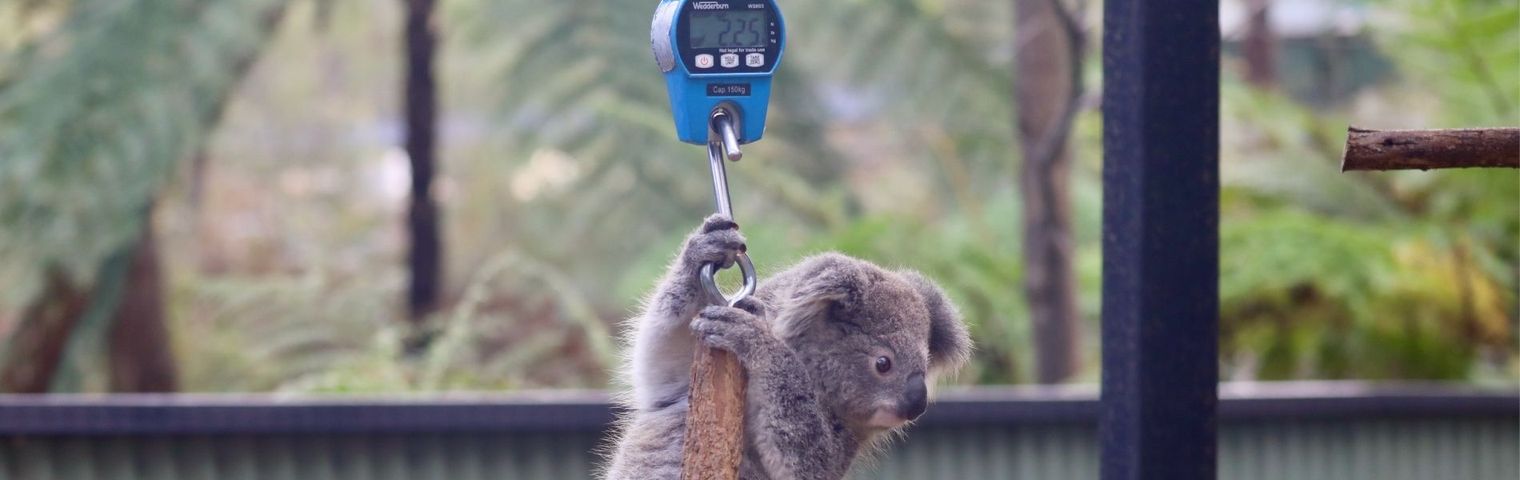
723, 29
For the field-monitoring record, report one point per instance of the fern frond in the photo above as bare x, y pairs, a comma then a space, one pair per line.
97, 113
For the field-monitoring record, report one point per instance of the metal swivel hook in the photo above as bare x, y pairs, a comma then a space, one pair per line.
723, 142
725, 128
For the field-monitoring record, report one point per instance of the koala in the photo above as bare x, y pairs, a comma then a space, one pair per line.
838, 352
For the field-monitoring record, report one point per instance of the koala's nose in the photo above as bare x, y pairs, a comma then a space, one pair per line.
916, 397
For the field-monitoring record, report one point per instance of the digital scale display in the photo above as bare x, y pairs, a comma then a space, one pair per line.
718, 55
729, 29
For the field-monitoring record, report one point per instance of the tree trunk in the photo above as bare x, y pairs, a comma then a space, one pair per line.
1047, 87
425, 258
1260, 45
142, 357
36, 347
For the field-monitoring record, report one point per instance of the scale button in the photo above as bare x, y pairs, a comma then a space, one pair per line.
755, 59
704, 61
730, 60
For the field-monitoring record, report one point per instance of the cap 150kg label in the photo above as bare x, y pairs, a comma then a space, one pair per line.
728, 89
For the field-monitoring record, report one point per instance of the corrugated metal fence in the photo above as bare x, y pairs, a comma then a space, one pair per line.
1302, 432
1386, 449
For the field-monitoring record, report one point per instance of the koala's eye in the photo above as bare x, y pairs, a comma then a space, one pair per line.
883, 364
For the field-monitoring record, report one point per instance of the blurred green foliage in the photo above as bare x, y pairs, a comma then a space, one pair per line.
96, 113
99, 102
565, 192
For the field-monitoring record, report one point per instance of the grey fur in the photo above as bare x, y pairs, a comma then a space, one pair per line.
808, 341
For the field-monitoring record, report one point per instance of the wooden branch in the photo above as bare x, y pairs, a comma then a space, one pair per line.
1427, 149
715, 422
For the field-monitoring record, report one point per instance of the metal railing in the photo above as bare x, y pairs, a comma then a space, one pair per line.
1267, 431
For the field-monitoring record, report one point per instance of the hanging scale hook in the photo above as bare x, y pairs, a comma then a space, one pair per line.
723, 143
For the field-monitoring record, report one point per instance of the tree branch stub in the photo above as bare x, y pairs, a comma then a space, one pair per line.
1368, 149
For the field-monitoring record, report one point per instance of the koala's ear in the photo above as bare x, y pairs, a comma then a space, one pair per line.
821, 282
949, 341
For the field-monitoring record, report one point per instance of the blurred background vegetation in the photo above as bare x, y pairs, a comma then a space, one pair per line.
214, 195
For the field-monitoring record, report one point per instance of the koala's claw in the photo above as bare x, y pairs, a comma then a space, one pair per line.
717, 242
751, 305
730, 329
716, 222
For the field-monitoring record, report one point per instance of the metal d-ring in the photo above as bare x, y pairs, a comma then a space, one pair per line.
715, 296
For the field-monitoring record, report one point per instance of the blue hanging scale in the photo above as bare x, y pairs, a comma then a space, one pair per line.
718, 57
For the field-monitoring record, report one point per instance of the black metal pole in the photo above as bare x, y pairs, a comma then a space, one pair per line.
1160, 239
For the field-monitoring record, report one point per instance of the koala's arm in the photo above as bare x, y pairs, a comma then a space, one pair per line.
792, 434
662, 345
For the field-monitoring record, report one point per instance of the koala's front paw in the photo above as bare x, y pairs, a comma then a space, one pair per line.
734, 330
717, 242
